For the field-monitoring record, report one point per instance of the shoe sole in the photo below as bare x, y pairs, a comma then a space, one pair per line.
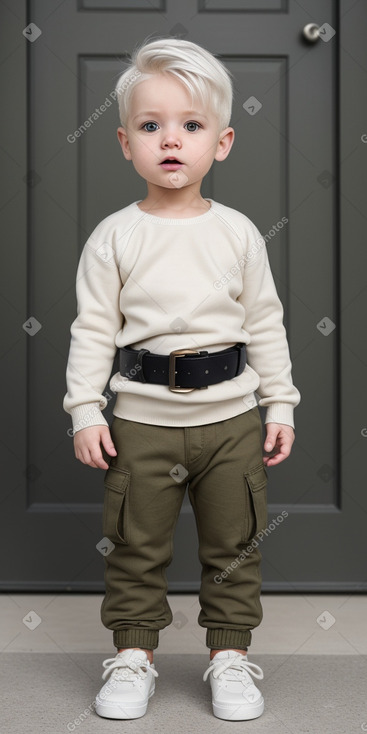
238, 713
122, 710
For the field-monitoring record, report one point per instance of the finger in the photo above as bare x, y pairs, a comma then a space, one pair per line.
95, 465
99, 462
274, 460
271, 438
84, 456
269, 442
273, 452
109, 446
283, 453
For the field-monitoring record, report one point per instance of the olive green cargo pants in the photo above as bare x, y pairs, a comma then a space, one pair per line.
144, 489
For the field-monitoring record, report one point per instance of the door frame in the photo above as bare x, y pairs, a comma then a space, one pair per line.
351, 132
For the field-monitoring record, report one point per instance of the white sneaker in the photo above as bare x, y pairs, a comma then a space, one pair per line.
130, 686
234, 695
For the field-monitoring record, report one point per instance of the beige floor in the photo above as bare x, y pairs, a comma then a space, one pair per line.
310, 624
311, 648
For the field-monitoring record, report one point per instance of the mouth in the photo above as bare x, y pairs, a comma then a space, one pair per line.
169, 162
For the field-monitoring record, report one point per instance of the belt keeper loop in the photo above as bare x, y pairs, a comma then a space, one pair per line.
139, 362
241, 348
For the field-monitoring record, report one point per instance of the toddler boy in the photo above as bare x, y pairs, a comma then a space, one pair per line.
182, 287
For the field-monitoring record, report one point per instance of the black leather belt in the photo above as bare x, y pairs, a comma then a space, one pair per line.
182, 370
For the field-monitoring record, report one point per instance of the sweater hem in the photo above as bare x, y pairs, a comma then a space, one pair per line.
195, 415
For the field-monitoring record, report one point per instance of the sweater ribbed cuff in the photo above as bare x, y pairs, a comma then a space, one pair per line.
280, 413
86, 415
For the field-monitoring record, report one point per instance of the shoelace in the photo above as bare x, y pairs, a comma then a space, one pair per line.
238, 662
126, 670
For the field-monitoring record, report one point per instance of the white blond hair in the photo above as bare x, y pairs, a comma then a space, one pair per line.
206, 78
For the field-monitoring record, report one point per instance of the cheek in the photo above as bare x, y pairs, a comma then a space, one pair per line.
145, 153
141, 154
202, 160
144, 163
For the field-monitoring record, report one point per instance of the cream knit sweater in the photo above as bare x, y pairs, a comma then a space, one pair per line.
164, 284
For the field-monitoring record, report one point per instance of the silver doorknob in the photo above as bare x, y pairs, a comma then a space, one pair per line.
311, 32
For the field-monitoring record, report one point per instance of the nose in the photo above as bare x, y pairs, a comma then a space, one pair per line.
171, 138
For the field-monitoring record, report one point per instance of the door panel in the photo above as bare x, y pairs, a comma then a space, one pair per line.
285, 163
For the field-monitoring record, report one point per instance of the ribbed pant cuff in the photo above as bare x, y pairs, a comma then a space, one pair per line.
227, 638
136, 637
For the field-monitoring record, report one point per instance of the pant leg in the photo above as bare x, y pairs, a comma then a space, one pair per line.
141, 507
229, 497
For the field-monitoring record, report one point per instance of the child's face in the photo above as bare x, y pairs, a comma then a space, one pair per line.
162, 123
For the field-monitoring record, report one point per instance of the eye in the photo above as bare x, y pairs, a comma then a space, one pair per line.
155, 127
193, 123
144, 127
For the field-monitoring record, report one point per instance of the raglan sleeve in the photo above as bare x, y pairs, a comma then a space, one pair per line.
99, 318
267, 351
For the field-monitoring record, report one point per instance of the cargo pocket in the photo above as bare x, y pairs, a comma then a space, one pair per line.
115, 507
256, 509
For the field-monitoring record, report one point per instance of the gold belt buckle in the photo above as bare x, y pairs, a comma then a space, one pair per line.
173, 372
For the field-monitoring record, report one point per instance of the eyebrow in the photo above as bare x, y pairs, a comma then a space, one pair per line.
157, 112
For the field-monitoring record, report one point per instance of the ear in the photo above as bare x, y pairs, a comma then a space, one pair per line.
225, 142
123, 140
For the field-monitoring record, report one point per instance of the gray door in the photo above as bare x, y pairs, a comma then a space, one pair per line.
297, 160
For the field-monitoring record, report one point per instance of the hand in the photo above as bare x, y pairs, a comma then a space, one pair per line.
87, 446
280, 438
